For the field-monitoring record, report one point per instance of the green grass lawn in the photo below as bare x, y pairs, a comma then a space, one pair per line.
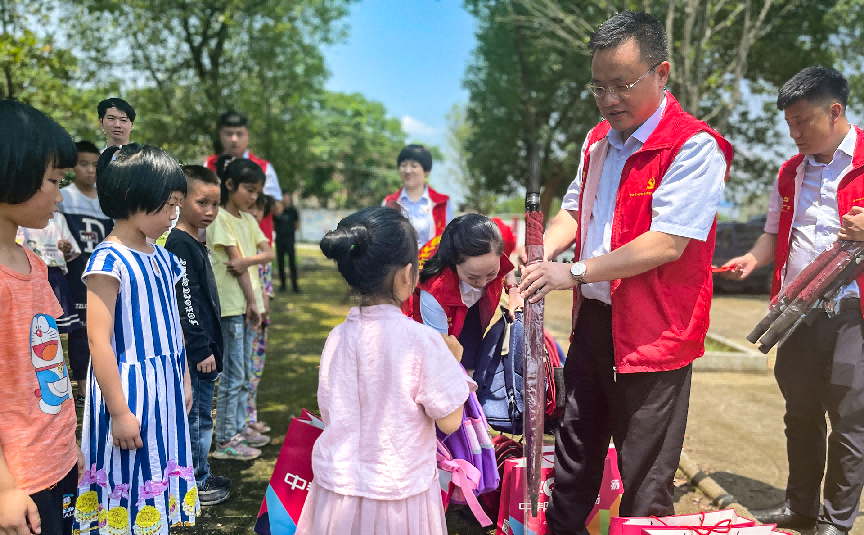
299, 328
300, 325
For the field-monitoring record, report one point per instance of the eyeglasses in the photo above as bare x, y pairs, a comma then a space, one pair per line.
617, 90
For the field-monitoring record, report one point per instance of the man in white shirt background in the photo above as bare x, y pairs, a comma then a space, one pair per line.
116, 118
816, 198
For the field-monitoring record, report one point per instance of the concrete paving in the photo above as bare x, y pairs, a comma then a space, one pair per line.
735, 429
735, 432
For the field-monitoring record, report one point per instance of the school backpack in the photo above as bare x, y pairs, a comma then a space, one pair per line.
498, 373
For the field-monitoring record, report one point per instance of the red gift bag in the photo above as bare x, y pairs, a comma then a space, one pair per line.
511, 515
609, 498
701, 522
764, 529
289, 484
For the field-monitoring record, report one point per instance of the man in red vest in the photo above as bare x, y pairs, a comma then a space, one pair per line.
234, 135
642, 215
817, 197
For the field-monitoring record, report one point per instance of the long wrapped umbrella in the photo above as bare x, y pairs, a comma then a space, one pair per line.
819, 283
791, 291
534, 369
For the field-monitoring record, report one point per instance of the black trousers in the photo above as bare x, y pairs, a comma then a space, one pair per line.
282, 249
56, 505
820, 369
79, 355
645, 414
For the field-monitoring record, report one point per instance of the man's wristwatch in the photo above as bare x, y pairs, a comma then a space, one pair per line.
578, 271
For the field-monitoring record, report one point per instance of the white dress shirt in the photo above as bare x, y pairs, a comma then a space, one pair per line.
817, 216
684, 204
420, 214
271, 182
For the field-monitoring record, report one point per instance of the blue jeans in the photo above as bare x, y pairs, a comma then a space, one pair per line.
234, 381
201, 423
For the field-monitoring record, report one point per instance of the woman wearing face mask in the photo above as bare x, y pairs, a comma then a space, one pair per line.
459, 290
428, 210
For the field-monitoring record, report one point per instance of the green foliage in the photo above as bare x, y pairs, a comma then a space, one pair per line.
353, 152
529, 75
185, 63
36, 70
523, 91
459, 132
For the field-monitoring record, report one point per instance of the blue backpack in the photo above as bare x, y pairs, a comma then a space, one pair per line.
498, 374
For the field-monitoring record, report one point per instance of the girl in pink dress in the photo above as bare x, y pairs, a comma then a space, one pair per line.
385, 381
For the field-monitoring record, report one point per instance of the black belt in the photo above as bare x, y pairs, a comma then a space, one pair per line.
597, 302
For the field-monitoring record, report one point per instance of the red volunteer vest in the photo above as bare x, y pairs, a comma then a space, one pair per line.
439, 207
660, 317
850, 192
445, 289
213, 158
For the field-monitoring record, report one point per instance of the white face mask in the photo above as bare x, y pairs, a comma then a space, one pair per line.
470, 295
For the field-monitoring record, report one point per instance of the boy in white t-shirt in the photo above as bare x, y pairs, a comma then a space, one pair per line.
88, 226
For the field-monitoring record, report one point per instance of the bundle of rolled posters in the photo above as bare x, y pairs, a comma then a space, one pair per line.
817, 285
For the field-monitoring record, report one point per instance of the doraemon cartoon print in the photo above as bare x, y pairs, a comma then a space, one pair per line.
47, 358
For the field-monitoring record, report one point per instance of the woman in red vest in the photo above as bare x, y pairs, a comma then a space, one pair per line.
462, 283
428, 210
459, 290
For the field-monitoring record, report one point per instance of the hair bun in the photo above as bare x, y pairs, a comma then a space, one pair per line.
346, 242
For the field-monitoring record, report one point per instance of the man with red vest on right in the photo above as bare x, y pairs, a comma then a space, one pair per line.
817, 197
642, 214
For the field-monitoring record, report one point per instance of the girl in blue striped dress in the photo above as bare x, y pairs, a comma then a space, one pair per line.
135, 439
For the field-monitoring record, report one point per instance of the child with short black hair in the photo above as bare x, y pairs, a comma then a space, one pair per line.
384, 383
89, 226
235, 238
136, 432
40, 463
200, 313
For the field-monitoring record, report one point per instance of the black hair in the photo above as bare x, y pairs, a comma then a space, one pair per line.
369, 246
86, 147
30, 143
136, 178
265, 203
239, 171
418, 153
118, 103
231, 119
815, 85
465, 237
201, 174
644, 28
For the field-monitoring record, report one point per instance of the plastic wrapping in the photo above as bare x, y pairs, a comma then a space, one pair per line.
844, 266
788, 294
535, 373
